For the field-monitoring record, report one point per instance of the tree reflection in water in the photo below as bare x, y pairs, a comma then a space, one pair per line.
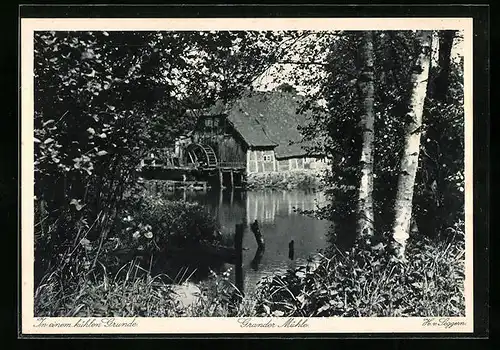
257, 258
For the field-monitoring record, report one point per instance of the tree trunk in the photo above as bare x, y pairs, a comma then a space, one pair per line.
442, 80
409, 161
431, 219
366, 92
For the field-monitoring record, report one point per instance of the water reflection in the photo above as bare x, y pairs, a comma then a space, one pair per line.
279, 223
257, 258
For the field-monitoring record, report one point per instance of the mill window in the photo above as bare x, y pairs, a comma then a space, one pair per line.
268, 158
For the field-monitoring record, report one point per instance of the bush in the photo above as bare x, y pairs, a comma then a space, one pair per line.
156, 223
301, 179
367, 282
145, 226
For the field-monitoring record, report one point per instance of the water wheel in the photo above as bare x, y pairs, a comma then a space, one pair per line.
202, 155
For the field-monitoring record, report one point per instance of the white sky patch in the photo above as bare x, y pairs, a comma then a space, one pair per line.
457, 50
303, 76
291, 74
306, 78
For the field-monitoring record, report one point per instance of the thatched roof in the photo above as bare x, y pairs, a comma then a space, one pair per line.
266, 119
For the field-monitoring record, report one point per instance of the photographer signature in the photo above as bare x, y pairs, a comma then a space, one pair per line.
445, 322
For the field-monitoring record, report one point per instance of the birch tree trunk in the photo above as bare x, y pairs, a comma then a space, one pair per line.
366, 90
409, 161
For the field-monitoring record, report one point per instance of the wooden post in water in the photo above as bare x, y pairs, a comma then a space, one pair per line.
239, 181
221, 180
238, 247
291, 250
257, 258
232, 178
258, 235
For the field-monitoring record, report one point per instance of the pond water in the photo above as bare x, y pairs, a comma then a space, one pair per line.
279, 222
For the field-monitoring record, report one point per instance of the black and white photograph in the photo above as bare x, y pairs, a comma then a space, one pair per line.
272, 177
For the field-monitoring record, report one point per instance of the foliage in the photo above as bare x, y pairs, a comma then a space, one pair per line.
136, 294
440, 187
103, 100
154, 223
369, 282
303, 179
438, 197
124, 282
364, 282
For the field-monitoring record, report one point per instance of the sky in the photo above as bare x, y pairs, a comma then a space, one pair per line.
278, 73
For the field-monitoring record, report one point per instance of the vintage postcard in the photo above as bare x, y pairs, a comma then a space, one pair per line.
246, 175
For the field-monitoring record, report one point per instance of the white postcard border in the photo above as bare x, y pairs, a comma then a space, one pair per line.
32, 325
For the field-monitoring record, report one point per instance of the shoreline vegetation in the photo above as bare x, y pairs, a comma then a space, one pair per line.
304, 179
130, 280
337, 287
295, 179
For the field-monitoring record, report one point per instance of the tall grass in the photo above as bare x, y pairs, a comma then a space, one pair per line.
357, 283
106, 295
219, 297
369, 282
360, 282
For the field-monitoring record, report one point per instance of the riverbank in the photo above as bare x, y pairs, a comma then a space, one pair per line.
296, 179
369, 282
363, 282
96, 276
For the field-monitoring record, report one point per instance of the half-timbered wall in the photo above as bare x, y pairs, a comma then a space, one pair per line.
259, 161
